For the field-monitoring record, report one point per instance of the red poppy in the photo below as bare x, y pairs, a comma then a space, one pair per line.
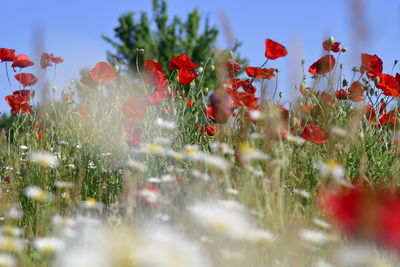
131, 135
343, 206
155, 98
148, 201
306, 91
186, 76
28, 94
134, 108
248, 86
307, 108
370, 113
285, 112
18, 104
45, 60
233, 66
84, 111
155, 75
324, 65
389, 84
274, 50
328, 46
181, 62
189, 103
342, 94
102, 72
388, 118
357, 91
260, 73
57, 60
327, 99
88, 81
65, 97
314, 134
246, 99
210, 130
26, 79
371, 64
7, 54
21, 61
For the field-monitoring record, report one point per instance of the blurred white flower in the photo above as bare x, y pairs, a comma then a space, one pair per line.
169, 125
315, 236
302, 193
6, 260
44, 159
48, 245
36, 193
331, 168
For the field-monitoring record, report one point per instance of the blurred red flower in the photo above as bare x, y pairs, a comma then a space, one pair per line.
18, 104
389, 84
342, 94
102, 72
274, 50
260, 73
88, 81
371, 64
186, 76
28, 94
356, 91
134, 108
328, 46
7, 54
181, 62
210, 130
21, 61
155, 98
314, 134
26, 79
324, 65
131, 134
155, 75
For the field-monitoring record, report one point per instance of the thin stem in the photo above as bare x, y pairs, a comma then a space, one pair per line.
8, 77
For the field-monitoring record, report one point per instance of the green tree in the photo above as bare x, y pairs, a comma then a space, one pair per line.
136, 41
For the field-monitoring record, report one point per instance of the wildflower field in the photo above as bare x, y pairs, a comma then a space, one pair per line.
152, 168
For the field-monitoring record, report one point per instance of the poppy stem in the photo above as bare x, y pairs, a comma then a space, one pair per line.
276, 86
8, 77
55, 72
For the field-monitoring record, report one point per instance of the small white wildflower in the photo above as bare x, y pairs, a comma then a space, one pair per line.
174, 154
322, 263
255, 136
23, 147
232, 191
200, 175
223, 148
6, 260
14, 212
169, 125
227, 218
64, 185
10, 244
215, 162
248, 153
192, 152
315, 236
44, 159
71, 166
137, 165
105, 154
154, 180
256, 115
260, 236
339, 132
321, 223
295, 139
36, 193
91, 165
302, 192
331, 168
91, 204
154, 149
150, 195
48, 245
10, 230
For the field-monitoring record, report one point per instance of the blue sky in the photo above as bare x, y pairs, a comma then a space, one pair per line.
72, 29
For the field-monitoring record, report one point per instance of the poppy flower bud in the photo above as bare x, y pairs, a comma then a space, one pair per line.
341, 66
212, 67
355, 69
200, 69
296, 86
206, 90
344, 49
302, 86
54, 89
280, 94
395, 62
277, 70
331, 40
371, 91
231, 55
303, 61
377, 80
140, 51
